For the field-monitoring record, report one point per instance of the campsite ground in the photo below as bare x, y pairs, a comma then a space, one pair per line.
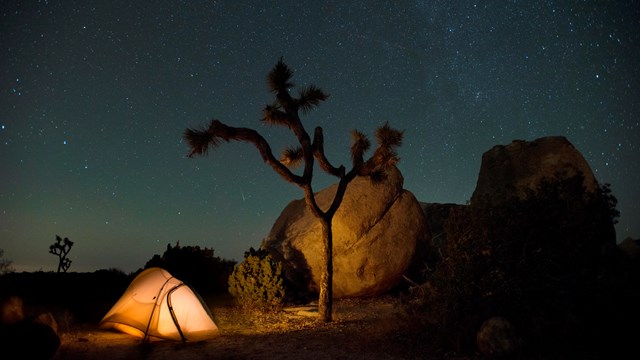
362, 329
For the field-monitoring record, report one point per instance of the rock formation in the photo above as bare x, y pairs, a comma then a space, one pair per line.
512, 170
375, 233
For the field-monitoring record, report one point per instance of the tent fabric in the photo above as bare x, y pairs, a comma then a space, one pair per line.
156, 305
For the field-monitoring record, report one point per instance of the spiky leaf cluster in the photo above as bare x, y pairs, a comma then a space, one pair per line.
310, 97
273, 115
279, 77
383, 157
201, 139
291, 156
360, 144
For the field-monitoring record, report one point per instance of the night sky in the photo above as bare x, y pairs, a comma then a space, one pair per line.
95, 96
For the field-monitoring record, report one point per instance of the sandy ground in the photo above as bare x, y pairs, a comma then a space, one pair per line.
362, 329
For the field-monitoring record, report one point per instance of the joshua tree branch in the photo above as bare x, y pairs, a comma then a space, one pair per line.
318, 153
219, 131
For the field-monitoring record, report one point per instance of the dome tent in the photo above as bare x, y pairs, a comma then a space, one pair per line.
156, 305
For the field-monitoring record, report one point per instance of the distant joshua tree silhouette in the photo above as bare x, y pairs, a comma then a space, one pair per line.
285, 112
61, 248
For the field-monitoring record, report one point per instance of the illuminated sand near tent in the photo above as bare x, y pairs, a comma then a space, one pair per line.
362, 328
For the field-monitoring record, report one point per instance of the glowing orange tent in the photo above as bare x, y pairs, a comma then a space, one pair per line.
158, 306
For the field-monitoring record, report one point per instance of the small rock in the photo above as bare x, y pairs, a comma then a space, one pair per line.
497, 338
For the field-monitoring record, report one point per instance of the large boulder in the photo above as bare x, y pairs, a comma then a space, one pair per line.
515, 169
375, 232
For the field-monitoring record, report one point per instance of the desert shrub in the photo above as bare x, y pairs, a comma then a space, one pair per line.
257, 282
446, 305
5, 265
197, 267
536, 261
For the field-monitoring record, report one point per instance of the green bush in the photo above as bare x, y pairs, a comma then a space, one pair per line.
257, 282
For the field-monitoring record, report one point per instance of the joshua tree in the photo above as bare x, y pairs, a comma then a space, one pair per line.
61, 248
285, 112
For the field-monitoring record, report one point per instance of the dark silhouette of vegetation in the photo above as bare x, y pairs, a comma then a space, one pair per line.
72, 297
257, 282
547, 263
198, 267
285, 112
61, 249
5, 265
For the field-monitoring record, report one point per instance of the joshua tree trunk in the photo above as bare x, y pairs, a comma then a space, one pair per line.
325, 300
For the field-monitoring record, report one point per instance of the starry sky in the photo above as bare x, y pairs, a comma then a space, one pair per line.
95, 96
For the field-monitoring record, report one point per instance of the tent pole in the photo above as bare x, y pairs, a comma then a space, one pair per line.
146, 332
173, 315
